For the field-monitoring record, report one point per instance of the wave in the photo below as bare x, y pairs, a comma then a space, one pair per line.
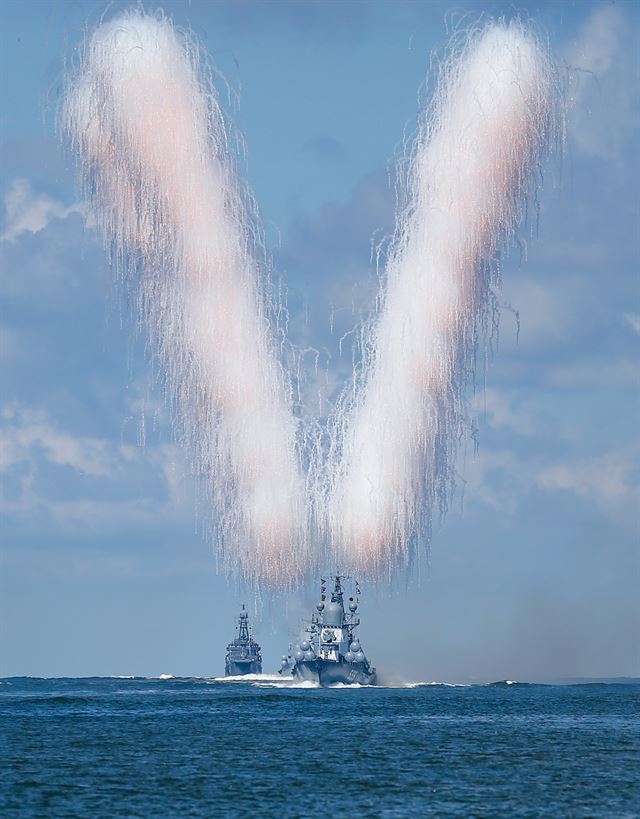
401, 684
288, 682
245, 678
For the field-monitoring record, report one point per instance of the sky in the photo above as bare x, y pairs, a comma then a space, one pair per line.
534, 574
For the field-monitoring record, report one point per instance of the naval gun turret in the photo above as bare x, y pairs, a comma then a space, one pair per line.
331, 652
243, 654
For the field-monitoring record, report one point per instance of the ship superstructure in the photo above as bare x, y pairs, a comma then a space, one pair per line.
243, 654
331, 652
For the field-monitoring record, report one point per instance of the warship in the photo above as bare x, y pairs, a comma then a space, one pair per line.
331, 653
243, 654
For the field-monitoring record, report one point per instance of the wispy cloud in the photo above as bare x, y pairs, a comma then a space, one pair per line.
26, 212
632, 320
506, 409
494, 479
611, 478
25, 429
68, 482
595, 372
605, 93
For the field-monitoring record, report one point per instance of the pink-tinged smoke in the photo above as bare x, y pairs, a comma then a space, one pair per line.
472, 170
152, 144
153, 147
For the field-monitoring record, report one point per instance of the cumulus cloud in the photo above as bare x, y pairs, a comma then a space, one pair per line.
26, 212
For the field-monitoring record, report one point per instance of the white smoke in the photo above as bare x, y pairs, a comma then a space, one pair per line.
153, 148
395, 431
152, 142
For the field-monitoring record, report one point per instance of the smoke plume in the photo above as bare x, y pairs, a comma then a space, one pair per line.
155, 162
473, 166
153, 147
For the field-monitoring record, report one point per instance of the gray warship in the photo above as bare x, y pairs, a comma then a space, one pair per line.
331, 652
243, 654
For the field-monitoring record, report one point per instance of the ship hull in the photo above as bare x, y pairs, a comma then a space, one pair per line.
239, 669
326, 672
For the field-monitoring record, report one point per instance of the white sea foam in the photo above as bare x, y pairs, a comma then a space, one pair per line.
245, 678
288, 683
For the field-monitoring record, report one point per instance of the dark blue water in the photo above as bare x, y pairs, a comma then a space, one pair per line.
190, 747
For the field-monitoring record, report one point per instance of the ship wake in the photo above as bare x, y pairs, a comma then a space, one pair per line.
248, 678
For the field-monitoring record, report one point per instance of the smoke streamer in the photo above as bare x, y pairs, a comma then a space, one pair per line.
155, 164
394, 433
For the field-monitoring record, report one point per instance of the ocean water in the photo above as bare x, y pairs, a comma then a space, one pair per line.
110, 747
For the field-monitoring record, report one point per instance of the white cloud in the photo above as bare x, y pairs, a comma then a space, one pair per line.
595, 372
30, 441
549, 312
607, 479
24, 429
26, 212
9, 343
603, 90
503, 479
633, 321
597, 45
494, 479
503, 409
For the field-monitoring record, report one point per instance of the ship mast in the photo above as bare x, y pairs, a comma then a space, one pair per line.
243, 626
337, 596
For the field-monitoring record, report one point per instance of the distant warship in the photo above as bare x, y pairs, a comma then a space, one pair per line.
243, 654
331, 653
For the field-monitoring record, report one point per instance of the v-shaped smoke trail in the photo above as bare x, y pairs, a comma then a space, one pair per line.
395, 431
153, 148
152, 143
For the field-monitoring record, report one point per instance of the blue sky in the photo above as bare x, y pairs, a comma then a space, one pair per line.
536, 570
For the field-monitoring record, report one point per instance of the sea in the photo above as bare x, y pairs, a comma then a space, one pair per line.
263, 746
